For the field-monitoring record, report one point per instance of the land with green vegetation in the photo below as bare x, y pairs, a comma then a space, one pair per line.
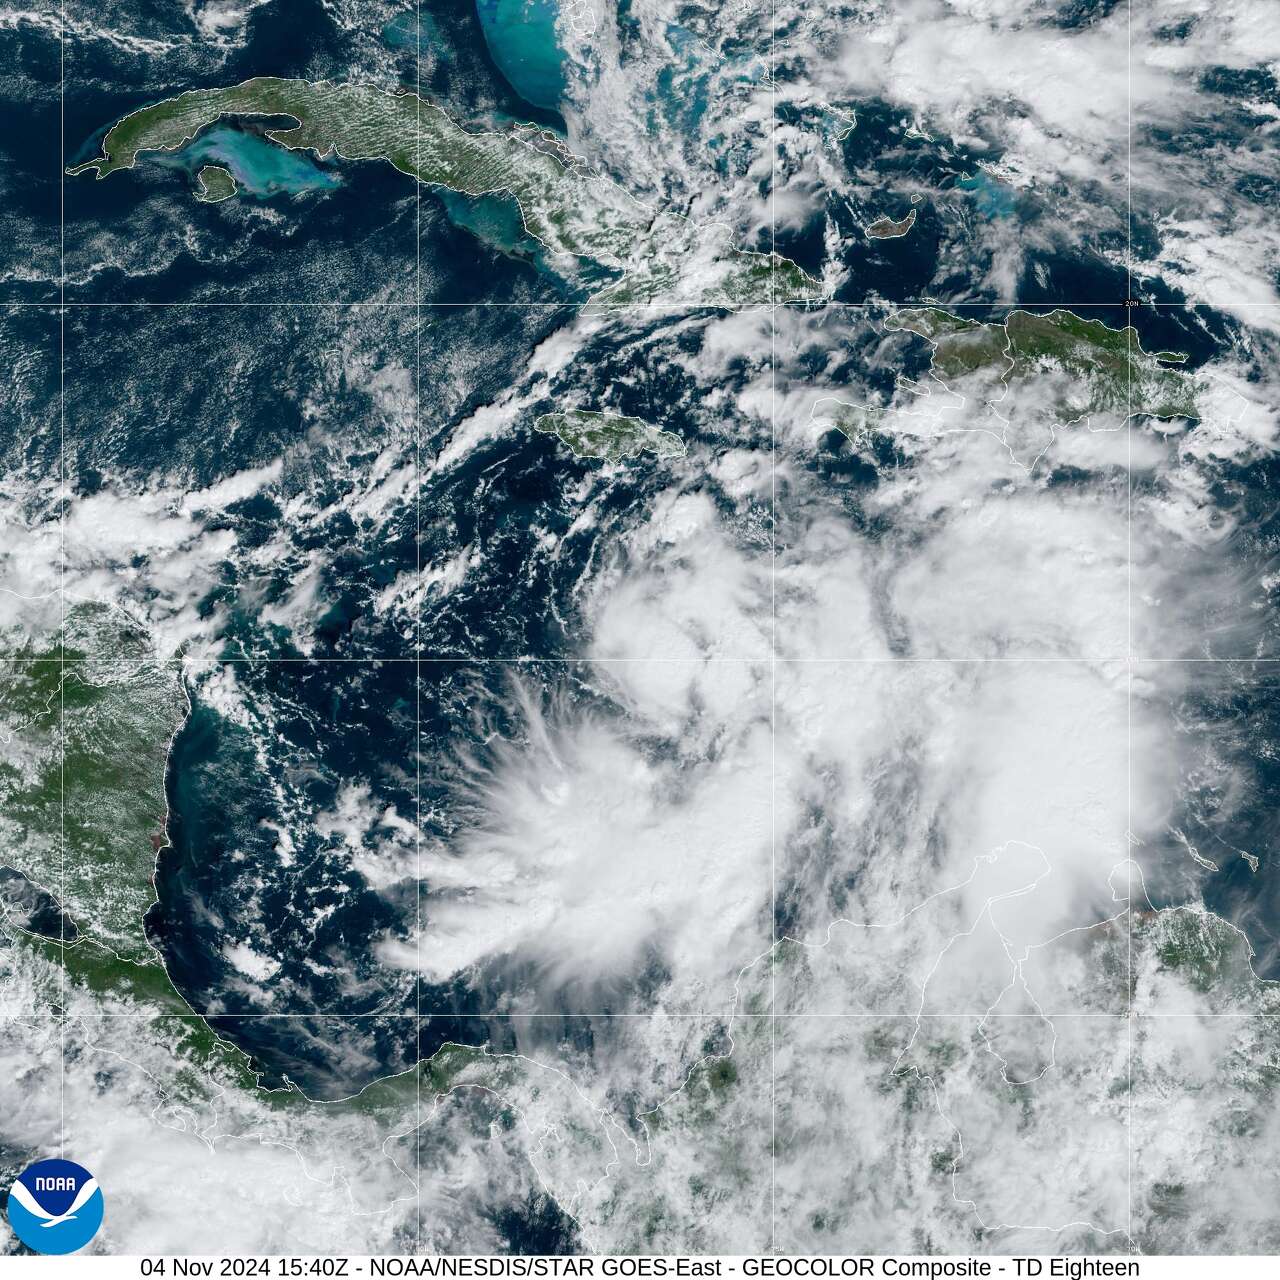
1101, 369
99, 690
88, 722
608, 435
214, 184
574, 212
1024, 378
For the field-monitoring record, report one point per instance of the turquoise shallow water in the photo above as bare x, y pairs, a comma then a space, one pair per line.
259, 167
497, 222
399, 33
994, 198
683, 87
494, 219
521, 35
405, 31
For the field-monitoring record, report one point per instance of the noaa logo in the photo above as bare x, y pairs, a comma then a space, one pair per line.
55, 1206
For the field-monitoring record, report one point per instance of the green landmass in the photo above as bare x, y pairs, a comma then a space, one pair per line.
1024, 378
1210, 956
88, 722
215, 183
574, 212
1105, 369
99, 696
98, 690
608, 435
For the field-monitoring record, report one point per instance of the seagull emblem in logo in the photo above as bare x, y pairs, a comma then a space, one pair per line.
33, 1207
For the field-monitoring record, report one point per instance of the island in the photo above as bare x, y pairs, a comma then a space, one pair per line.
1022, 379
574, 212
1085, 366
216, 183
608, 435
887, 229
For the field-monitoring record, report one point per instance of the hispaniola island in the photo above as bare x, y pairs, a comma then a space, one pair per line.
640, 627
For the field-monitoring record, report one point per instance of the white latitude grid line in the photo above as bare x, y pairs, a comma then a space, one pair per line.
759, 304
741, 1015
1086, 660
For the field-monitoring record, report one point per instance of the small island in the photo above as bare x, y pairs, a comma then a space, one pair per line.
214, 184
887, 229
608, 435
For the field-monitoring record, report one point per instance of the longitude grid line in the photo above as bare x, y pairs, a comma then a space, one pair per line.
417, 630
773, 633
62, 539
1129, 331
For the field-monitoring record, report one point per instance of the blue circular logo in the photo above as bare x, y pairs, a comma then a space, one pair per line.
55, 1206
